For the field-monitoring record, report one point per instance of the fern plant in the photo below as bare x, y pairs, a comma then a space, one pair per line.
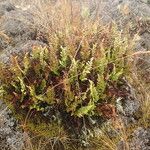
63, 77
73, 81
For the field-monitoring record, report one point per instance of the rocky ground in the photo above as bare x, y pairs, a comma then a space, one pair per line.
18, 32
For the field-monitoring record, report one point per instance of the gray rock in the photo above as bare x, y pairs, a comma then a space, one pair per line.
131, 106
122, 145
5, 7
18, 49
123, 11
141, 139
128, 106
18, 26
133, 14
11, 138
4, 41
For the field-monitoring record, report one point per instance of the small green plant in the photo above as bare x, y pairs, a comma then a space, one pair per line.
64, 91
76, 84
73, 79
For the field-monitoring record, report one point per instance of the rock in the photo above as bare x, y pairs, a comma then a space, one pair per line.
141, 139
19, 48
18, 26
134, 14
127, 106
4, 41
11, 138
130, 108
122, 145
5, 7
123, 11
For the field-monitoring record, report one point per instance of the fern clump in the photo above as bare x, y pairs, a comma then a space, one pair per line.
73, 79
76, 84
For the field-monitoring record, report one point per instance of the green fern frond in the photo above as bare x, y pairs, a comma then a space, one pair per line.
2, 91
16, 68
87, 69
26, 63
114, 76
73, 72
50, 95
93, 92
85, 110
36, 52
42, 86
101, 85
64, 56
23, 88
